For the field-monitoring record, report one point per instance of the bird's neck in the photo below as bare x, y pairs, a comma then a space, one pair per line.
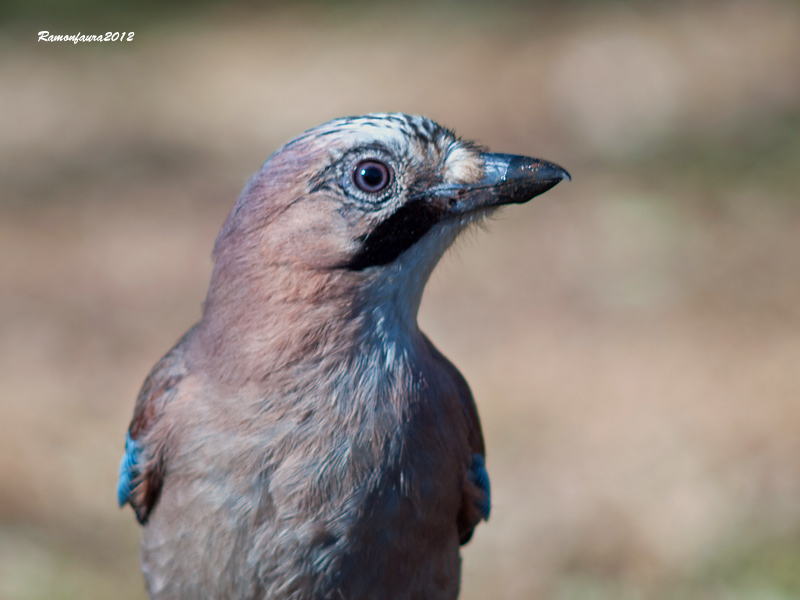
392, 293
259, 328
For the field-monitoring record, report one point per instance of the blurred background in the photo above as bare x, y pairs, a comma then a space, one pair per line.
632, 337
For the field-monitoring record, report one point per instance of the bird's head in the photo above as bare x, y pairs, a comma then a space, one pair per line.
339, 231
373, 199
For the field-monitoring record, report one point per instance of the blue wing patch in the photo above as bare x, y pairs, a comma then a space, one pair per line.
128, 470
480, 477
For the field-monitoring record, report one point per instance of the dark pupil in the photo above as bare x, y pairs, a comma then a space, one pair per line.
371, 177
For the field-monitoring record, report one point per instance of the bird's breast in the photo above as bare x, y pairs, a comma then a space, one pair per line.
357, 473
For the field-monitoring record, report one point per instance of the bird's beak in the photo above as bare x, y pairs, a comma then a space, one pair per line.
507, 179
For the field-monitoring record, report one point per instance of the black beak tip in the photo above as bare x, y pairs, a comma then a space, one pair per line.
540, 170
533, 177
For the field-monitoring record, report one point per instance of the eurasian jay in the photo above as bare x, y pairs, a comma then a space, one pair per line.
305, 440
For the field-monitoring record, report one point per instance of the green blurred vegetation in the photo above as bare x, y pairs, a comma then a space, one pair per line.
760, 155
766, 571
143, 12
36, 564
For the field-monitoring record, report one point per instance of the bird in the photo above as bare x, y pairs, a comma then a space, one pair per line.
305, 440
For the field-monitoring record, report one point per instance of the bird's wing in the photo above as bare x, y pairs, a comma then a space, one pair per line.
476, 498
476, 503
142, 468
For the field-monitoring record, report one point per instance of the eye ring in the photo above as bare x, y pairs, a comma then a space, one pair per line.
371, 176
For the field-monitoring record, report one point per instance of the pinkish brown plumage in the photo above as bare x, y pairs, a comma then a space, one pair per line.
305, 440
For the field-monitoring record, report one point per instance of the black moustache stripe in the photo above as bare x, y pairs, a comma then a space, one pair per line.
396, 234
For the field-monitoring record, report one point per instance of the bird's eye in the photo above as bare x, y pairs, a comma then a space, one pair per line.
371, 176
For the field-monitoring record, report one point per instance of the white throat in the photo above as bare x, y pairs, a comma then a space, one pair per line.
395, 291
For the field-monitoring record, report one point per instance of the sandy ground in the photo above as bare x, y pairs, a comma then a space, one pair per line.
631, 337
